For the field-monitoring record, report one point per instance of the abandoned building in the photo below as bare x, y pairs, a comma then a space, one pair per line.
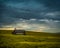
19, 32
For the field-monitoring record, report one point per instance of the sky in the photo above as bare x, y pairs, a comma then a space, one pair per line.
32, 15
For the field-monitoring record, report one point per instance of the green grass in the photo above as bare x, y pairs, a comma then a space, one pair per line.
30, 40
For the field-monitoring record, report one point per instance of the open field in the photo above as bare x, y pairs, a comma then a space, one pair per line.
30, 40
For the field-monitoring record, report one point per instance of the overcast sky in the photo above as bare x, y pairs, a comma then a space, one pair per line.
36, 15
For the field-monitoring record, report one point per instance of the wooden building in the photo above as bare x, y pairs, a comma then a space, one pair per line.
19, 32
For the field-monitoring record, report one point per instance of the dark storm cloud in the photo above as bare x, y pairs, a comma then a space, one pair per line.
11, 11
1, 10
31, 6
53, 4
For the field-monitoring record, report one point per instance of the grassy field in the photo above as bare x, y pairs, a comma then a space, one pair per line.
30, 40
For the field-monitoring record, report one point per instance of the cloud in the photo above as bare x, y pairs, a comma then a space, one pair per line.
35, 25
52, 4
30, 14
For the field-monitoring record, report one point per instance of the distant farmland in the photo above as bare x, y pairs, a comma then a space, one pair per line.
30, 40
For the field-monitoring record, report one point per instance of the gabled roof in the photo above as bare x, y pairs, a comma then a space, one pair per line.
19, 31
